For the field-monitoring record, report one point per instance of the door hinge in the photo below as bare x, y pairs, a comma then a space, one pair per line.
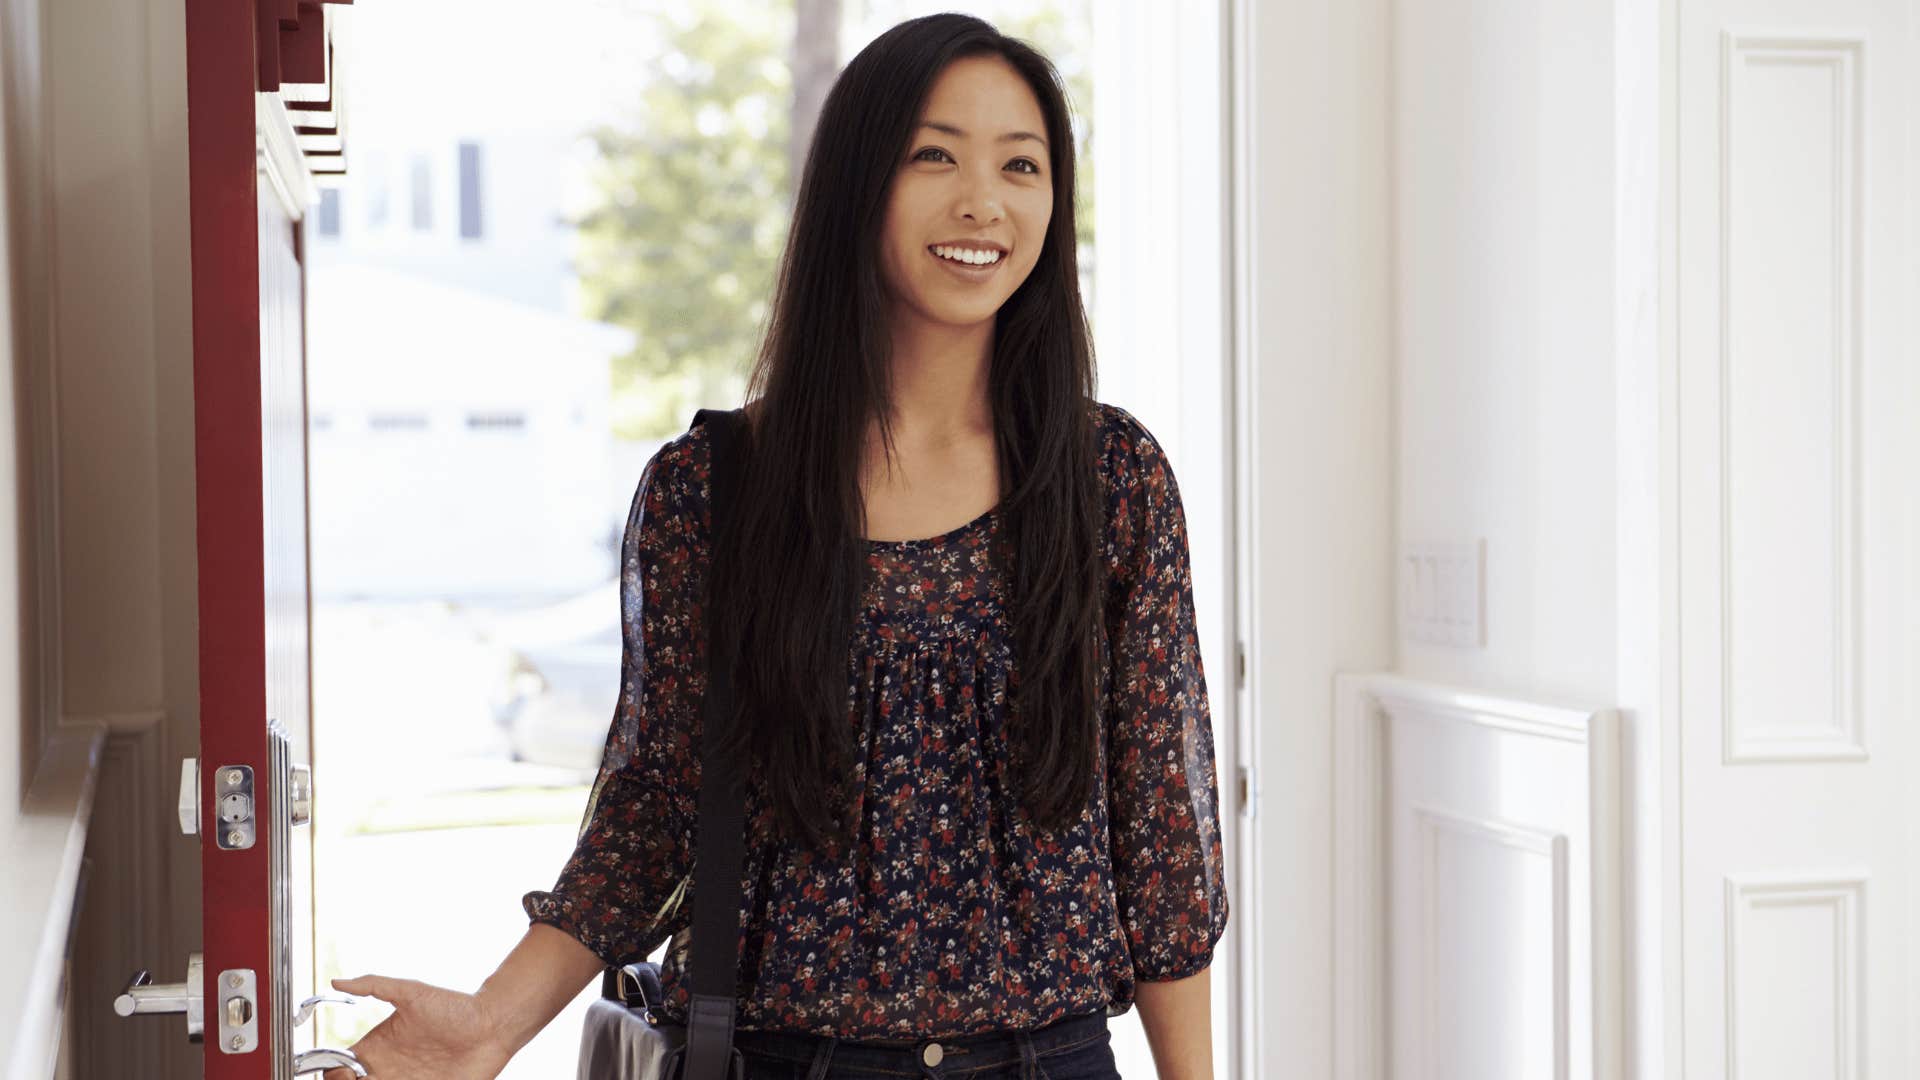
1247, 790
1239, 665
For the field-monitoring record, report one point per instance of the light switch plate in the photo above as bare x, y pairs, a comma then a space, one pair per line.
1443, 594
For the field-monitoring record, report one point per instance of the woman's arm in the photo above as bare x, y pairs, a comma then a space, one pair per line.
536, 980
436, 1033
1162, 792
1178, 1017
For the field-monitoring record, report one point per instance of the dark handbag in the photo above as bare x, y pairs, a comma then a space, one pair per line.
627, 1035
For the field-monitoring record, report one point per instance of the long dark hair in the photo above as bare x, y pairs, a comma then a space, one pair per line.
790, 574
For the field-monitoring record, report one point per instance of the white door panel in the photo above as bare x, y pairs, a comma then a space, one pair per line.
1795, 270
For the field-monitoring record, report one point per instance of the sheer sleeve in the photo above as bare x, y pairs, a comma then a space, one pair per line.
1163, 800
623, 891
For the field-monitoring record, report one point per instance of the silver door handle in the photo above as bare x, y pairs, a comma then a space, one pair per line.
305, 1011
300, 794
321, 1060
143, 995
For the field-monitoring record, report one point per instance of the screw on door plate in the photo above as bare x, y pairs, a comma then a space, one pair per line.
238, 1011
233, 807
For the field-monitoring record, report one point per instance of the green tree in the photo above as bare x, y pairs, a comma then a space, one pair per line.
690, 210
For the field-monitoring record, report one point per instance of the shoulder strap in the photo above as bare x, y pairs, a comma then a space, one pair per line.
721, 846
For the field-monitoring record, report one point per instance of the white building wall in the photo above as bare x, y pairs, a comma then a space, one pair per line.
409, 497
416, 330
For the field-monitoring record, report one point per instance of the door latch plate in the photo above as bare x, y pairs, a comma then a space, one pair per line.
233, 807
239, 1011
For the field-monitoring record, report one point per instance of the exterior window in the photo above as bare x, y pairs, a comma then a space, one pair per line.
470, 190
496, 421
422, 193
398, 421
377, 180
329, 211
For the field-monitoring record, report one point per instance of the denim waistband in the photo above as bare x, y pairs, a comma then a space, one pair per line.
959, 1055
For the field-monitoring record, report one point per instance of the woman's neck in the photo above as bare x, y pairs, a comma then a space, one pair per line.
940, 381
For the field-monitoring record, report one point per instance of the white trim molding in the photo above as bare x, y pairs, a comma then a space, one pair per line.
1580, 844
42, 854
1247, 1006
278, 157
1748, 60
1841, 897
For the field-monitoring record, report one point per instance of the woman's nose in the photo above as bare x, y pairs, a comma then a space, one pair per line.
981, 206
977, 195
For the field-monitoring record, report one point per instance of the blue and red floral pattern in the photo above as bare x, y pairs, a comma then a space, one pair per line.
955, 915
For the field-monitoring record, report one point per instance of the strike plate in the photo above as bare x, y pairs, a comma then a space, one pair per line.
238, 1011
233, 807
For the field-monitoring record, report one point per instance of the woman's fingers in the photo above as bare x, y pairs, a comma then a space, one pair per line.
380, 986
433, 1034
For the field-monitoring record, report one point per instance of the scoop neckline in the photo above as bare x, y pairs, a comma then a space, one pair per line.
923, 541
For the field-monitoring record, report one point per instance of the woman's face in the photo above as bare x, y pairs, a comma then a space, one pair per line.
975, 179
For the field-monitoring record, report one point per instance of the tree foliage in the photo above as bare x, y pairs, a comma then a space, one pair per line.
690, 210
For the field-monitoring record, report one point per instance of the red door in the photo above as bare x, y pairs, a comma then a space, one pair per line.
251, 182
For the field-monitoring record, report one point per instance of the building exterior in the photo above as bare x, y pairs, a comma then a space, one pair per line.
461, 445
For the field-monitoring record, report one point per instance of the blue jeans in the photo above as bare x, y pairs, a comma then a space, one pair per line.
1071, 1048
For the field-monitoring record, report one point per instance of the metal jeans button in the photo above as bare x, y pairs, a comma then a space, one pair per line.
932, 1054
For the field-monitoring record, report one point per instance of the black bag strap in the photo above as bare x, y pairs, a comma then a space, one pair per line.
720, 853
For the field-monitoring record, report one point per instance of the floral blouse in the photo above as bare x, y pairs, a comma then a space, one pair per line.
954, 916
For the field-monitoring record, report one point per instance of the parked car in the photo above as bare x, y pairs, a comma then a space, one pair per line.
560, 678
565, 722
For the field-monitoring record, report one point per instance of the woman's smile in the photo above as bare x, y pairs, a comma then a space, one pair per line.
966, 263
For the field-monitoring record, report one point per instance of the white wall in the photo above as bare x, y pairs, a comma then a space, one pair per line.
1525, 209
1504, 260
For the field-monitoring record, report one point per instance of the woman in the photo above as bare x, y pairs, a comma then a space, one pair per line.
982, 807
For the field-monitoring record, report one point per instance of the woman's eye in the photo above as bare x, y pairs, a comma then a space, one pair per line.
1032, 167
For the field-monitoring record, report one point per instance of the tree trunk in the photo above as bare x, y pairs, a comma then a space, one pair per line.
816, 63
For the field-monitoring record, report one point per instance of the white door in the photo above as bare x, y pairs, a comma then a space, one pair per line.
1796, 561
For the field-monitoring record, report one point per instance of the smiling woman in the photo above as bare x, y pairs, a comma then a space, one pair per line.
952, 598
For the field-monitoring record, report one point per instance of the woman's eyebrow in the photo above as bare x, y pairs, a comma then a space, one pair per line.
1010, 136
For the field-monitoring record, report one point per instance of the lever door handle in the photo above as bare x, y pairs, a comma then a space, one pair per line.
321, 1060
305, 1011
143, 995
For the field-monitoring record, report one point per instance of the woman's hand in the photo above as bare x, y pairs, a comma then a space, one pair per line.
433, 1034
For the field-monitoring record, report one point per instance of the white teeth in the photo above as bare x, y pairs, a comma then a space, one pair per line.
967, 255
